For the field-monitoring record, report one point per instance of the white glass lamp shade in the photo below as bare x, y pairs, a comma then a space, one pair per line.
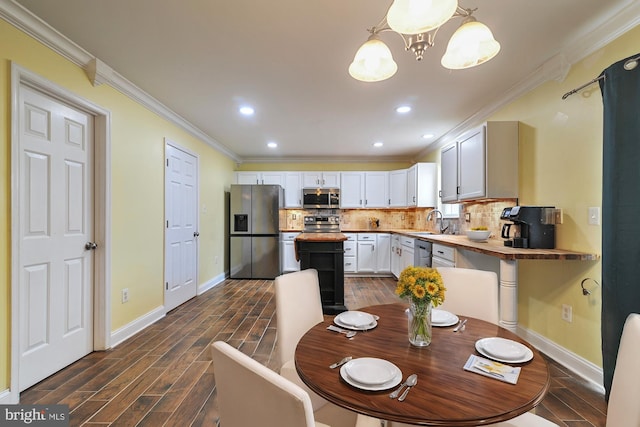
471, 45
419, 16
373, 62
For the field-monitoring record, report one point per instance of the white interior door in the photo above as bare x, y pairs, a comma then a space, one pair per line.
56, 209
181, 237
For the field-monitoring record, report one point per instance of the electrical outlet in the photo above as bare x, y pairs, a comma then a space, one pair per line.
567, 313
215, 259
125, 295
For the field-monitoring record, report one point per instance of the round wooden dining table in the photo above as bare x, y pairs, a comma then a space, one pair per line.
445, 394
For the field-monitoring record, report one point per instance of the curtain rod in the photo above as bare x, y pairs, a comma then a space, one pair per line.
571, 92
629, 65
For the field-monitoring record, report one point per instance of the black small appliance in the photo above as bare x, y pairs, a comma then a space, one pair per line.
534, 227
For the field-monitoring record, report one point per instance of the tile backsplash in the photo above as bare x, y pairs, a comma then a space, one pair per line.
484, 213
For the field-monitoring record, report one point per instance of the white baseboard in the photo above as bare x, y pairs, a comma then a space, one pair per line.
8, 398
148, 319
210, 284
127, 331
578, 365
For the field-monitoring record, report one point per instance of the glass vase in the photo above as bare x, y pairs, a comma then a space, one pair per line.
419, 322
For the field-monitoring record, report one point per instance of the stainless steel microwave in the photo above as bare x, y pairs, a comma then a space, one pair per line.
321, 198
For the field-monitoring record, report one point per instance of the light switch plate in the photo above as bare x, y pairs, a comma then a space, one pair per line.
594, 216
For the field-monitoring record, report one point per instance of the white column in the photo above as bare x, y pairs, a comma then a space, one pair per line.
509, 294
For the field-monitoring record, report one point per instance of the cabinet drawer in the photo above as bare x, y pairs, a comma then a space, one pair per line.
441, 262
349, 248
407, 241
288, 236
445, 252
366, 237
350, 264
351, 237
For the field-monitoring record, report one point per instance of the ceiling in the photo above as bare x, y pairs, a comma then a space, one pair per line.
288, 59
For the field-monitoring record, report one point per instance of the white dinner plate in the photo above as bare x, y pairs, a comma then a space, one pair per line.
371, 371
504, 350
356, 322
443, 318
394, 381
357, 319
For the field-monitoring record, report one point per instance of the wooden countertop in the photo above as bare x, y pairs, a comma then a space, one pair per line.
320, 237
494, 247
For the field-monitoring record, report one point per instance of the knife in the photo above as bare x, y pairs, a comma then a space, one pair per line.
340, 363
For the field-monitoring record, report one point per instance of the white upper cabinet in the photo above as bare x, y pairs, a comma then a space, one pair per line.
248, 178
364, 189
321, 179
413, 187
471, 166
376, 190
352, 189
449, 174
422, 185
260, 178
483, 163
398, 188
292, 190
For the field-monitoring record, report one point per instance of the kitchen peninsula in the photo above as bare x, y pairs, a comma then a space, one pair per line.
507, 265
325, 253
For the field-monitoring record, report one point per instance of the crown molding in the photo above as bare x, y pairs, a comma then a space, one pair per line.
592, 38
335, 159
97, 71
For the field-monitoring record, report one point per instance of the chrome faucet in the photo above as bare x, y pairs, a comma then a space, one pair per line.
442, 226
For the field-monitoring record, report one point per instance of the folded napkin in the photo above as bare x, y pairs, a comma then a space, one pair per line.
492, 369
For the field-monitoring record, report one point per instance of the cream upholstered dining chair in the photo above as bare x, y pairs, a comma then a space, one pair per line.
623, 408
472, 293
250, 394
298, 309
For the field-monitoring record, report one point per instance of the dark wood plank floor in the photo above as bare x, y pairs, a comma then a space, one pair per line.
163, 375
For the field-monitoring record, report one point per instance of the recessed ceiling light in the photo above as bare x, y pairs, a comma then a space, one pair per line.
247, 111
378, 144
272, 145
428, 136
403, 109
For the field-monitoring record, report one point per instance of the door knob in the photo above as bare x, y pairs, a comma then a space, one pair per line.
196, 234
90, 246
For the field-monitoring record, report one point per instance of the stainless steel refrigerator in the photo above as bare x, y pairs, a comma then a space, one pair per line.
254, 231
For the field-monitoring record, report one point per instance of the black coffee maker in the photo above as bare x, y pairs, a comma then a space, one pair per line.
534, 227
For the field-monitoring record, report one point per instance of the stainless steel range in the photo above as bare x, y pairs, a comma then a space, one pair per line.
322, 224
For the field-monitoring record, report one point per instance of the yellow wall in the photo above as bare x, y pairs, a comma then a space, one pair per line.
560, 164
137, 144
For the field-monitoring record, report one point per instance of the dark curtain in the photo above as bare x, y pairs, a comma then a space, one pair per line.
620, 207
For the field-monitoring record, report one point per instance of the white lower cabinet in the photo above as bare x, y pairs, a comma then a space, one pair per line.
407, 252
394, 254
443, 256
367, 253
288, 262
351, 253
383, 258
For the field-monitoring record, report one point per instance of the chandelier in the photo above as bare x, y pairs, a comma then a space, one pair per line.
417, 22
